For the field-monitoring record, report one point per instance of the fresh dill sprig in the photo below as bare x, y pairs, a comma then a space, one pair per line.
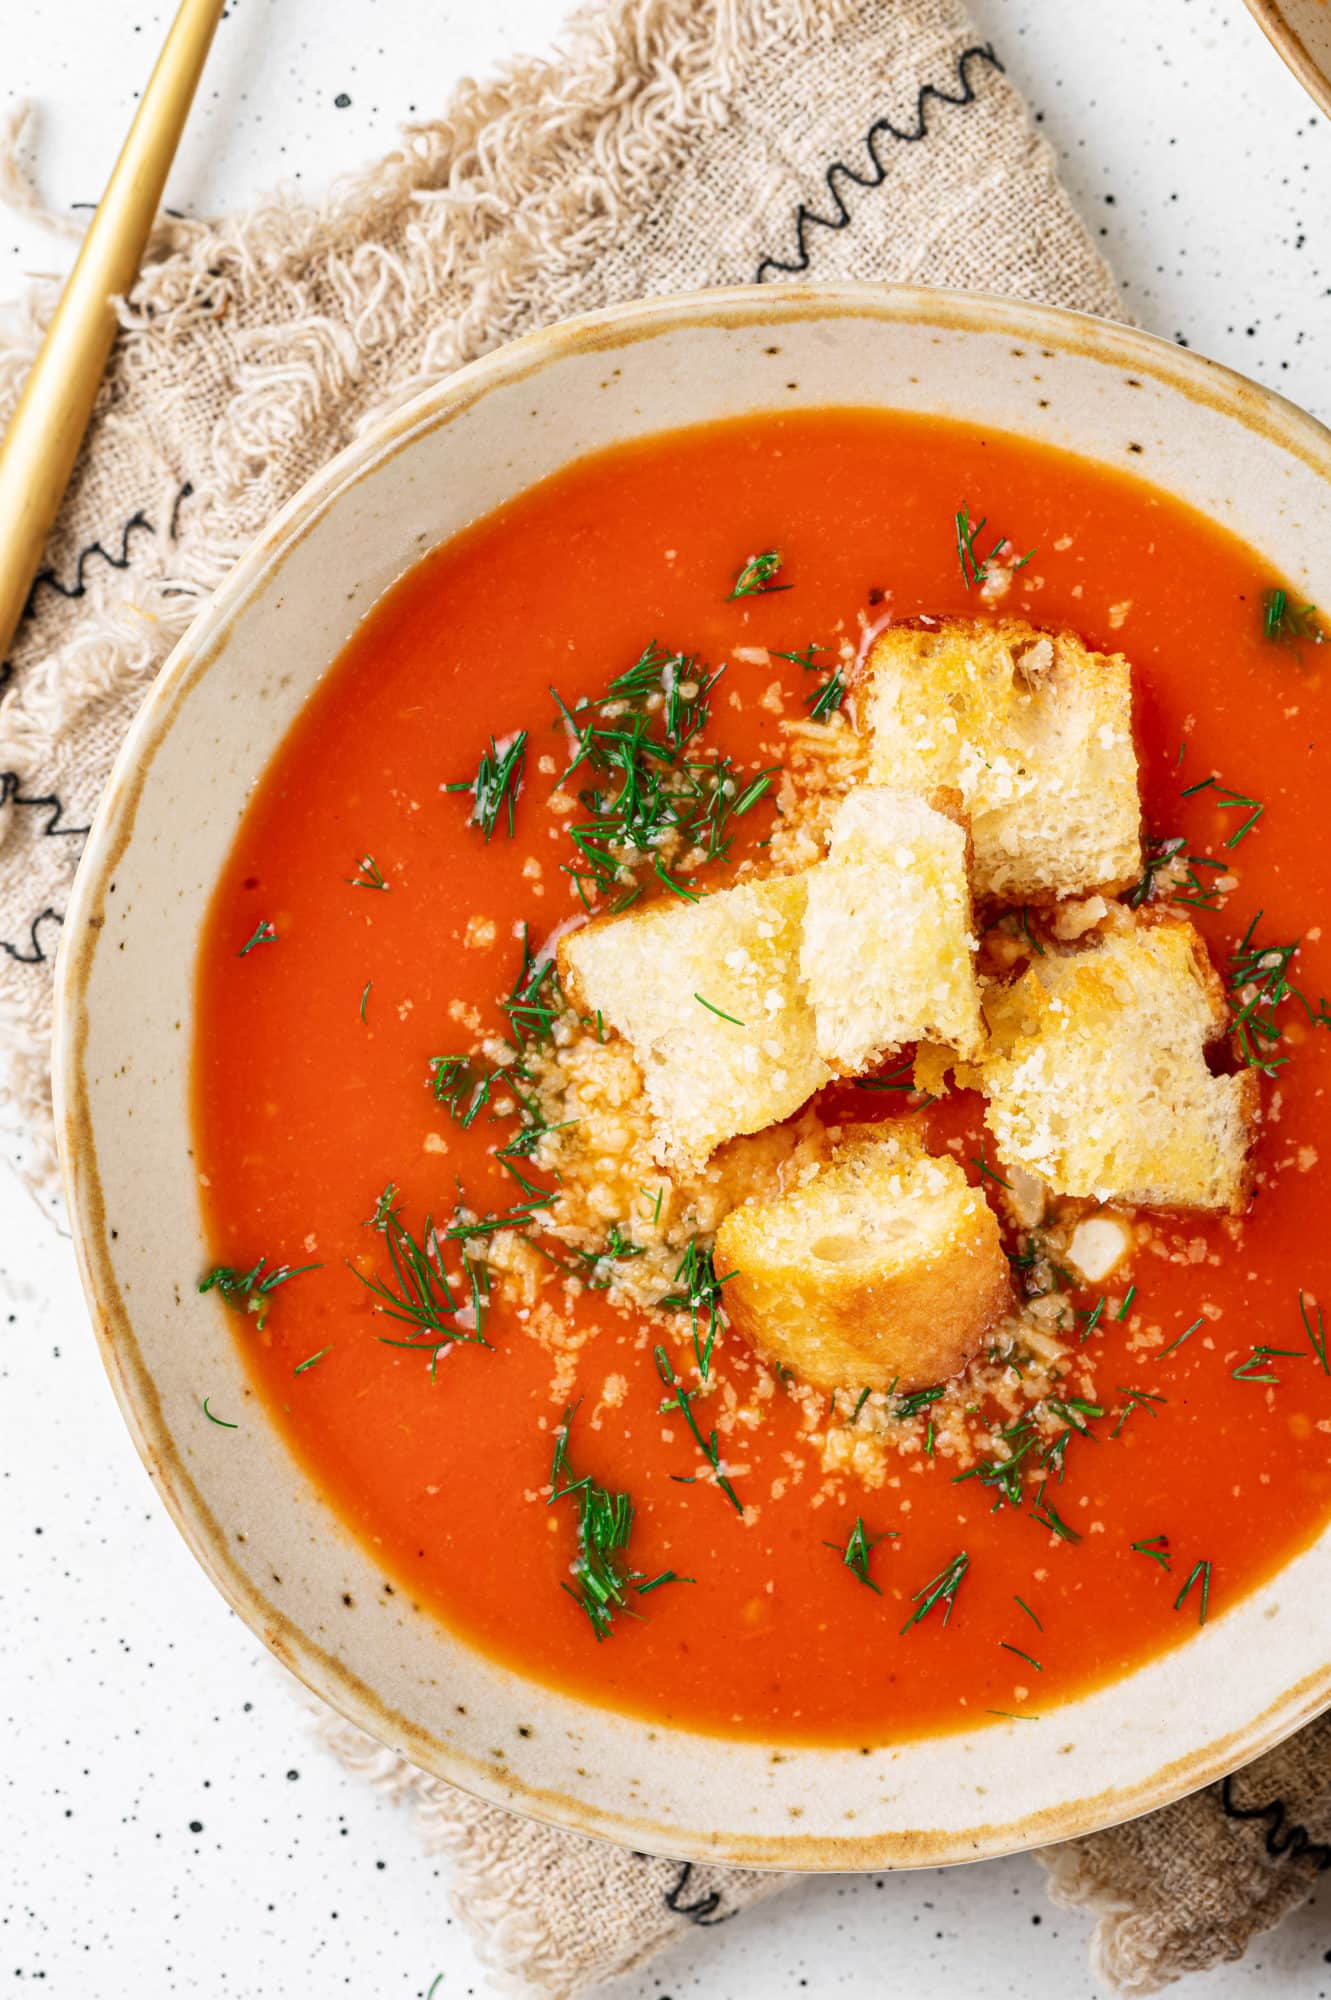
699, 1292
1005, 1476
755, 578
941, 1589
1046, 1515
644, 794
988, 1173
1155, 1548
707, 1446
460, 1084
265, 933
1229, 800
497, 783
598, 1266
1199, 1573
828, 697
1126, 1306
420, 1293
602, 1573
975, 567
364, 998
368, 874
918, 1399
1179, 1339
1021, 1654
252, 1291
534, 1000
719, 1012
301, 1366
859, 1546
1076, 1415
1137, 1399
1257, 1367
1091, 1315
1287, 623
804, 659
1029, 1613
221, 1422
1159, 856
1258, 987
863, 1399
1316, 1340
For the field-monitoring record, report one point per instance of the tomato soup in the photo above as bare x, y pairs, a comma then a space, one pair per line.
612, 1492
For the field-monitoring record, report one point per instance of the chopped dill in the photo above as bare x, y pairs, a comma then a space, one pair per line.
497, 783
975, 567
534, 1000
421, 1294
941, 1589
301, 1366
365, 994
1137, 1399
755, 578
827, 698
1287, 623
458, 1083
368, 874
603, 1576
1258, 986
720, 1014
1155, 1548
1091, 1315
1029, 1613
1317, 1340
265, 933
1159, 855
699, 1292
1008, 1647
221, 1422
1005, 1476
1032, 942
901, 1078
1186, 1334
863, 1399
917, 1400
1199, 1573
1228, 799
804, 659
707, 1446
1046, 1515
252, 1291
1257, 1367
1126, 1306
987, 1173
859, 1547
599, 1265
1008, 1715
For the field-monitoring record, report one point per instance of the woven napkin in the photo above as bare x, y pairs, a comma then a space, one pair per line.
671, 144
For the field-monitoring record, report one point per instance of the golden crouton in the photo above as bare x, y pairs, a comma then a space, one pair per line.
1097, 1077
888, 948
1033, 730
883, 1269
708, 995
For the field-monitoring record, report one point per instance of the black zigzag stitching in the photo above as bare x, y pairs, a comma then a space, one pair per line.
138, 523
10, 795
704, 1909
34, 954
883, 128
1285, 1838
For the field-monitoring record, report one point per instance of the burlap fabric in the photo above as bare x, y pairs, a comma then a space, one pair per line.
672, 144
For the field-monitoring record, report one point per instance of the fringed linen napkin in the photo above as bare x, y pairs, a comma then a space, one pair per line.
672, 144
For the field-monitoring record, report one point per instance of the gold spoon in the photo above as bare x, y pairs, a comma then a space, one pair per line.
42, 442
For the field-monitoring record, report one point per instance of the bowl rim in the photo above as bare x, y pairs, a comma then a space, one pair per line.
1209, 383
1273, 20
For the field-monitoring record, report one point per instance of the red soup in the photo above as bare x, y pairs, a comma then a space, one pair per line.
488, 1318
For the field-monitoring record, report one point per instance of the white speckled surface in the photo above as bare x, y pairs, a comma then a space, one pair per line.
167, 1827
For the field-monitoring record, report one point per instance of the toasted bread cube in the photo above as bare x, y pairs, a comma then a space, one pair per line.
1033, 730
888, 952
666, 976
1097, 1077
884, 1269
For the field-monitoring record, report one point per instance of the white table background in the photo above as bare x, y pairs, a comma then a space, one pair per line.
166, 1825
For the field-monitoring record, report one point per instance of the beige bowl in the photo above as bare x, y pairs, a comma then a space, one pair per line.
1301, 30
221, 706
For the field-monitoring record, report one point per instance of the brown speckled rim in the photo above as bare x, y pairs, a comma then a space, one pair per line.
1043, 329
1273, 20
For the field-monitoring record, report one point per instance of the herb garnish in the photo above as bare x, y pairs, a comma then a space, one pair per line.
975, 567
1159, 855
755, 578
863, 1399
534, 1000
458, 1083
605, 1522
720, 1015
917, 1400
700, 1291
266, 933
303, 1365
1257, 1367
1029, 1613
707, 1446
497, 783
421, 1294
1005, 1475
827, 698
1021, 1655
1046, 1515
1200, 1571
1317, 1340
1138, 1399
1260, 971
646, 796
1126, 1306
1286, 622
987, 1173
941, 1590
1178, 1342
1226, 798
368, 874
1156, 1547
221, 1422
252, 1291
859, 1546
365, 994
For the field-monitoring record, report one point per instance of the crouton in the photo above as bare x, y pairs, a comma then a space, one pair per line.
888, 947
708, 995
885, 1268
1034, 731
1097, 1077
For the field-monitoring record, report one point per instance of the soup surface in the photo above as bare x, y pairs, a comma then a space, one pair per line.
855, 1570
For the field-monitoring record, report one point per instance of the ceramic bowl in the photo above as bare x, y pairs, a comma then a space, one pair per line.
231, 689
1301, 30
